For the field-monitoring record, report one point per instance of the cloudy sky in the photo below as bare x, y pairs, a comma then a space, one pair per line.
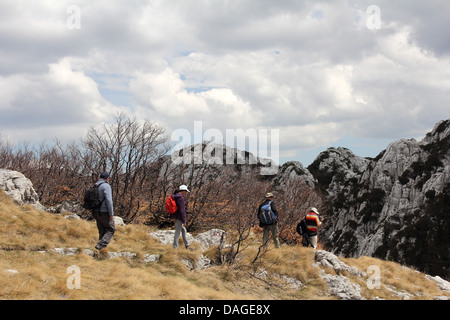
350, 73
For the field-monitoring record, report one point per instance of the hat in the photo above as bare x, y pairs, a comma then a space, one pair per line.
183, 188
269, 195
313, 209
104, 175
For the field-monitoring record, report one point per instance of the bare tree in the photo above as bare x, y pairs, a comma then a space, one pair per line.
293, 202
248, 193
127, 149
143, 175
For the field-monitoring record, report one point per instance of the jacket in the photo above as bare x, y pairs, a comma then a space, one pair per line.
180, 214
312, 224
105, 195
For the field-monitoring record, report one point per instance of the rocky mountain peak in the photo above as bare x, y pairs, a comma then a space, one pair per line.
440, 132
336, 165
295, 172
384, 206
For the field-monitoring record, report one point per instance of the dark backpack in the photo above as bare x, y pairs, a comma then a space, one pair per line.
91, 198
301, 227
266, 215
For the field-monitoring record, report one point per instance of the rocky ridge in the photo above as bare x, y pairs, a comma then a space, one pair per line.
394, 206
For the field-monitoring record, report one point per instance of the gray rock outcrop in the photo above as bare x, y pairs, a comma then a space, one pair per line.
293, 171
206, 239
380, 207
338, 285
19, 188
341, 287
327, 259
210, 238
166, 236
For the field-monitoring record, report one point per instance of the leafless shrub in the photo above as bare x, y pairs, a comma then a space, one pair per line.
128, 149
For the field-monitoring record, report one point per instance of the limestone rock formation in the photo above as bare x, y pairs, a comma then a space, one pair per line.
19, 188
394, 206
206, 239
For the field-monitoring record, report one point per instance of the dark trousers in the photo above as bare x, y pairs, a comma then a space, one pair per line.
305, 240
106, 228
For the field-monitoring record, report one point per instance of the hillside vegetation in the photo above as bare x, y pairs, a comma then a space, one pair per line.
29, 269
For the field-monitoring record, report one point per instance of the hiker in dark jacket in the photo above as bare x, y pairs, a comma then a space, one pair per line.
272, 228
180, 216
104, 216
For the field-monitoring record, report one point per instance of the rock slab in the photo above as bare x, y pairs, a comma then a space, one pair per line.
18, 187
206, 239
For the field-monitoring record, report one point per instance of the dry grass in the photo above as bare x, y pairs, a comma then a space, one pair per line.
396, 281
24, 232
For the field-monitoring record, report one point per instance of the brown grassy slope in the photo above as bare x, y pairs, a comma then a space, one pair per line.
25, 233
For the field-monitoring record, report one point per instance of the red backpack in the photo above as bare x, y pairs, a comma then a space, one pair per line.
171, 205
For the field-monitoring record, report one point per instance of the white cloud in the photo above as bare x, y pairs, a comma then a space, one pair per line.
164, 97
38, 106
164, 94
309, 68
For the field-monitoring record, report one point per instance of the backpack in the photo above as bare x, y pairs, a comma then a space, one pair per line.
301, 227
91, 198
266, 215
171, 205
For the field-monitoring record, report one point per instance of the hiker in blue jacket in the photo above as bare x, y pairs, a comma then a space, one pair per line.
105, 215
180, 216
269, 226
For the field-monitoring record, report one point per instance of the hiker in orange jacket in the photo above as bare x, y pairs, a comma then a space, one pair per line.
313, 223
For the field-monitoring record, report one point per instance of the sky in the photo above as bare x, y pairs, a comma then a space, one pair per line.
310, 74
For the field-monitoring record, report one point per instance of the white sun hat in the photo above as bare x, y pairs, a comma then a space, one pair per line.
183, 188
